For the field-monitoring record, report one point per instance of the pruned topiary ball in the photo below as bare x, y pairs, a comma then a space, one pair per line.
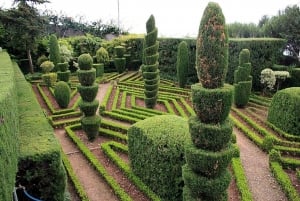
85, 62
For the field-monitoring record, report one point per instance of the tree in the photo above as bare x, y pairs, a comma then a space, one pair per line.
182, 63
286, 25
54, 51
23, 26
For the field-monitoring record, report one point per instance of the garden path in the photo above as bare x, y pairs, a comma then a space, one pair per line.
262, 184
255, 162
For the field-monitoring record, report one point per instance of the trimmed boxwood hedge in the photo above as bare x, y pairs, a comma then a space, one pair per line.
9, 127
156, 151
284, 111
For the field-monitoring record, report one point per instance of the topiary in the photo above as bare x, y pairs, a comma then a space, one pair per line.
150, 65
62, 94
242, 79
47, 66
90, 122
41, 59
284, 111
210, 149
54, 50
120, 60
102, 55
182, 64
85, 62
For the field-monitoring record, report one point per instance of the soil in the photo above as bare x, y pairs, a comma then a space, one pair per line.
255, 162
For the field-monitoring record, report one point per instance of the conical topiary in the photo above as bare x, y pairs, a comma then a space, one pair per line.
90, 122
242, 79
150, 70
54, 51
182, 63
209, 150
62, 94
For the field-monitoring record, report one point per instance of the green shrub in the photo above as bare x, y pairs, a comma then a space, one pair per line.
41, 59
85, 62
119, 51
206, 188
212, 48
295, 77
63, 67
284, 111
91, 125
182, 64
88, 108
120, 64
9, 127
242, 79
99, 69
64, 76
47, 66
49, 79
62, 94
88, 93
210, 136
212, 105
156, 149
150, 62
102, 55
40, 167
87, 77
54, 51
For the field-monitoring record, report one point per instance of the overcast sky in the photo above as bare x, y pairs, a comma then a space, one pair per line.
174, 18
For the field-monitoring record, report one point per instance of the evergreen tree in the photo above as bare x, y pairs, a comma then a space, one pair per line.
54, 51
182, 64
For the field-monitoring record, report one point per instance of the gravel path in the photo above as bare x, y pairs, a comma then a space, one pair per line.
256, 165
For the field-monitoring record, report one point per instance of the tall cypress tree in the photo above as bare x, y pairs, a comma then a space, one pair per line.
209, 150
182, 63
54, 51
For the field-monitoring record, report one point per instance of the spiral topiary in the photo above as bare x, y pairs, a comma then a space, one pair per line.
150, 70
90, 122
62, 94
209, 149
182, 64
243, 79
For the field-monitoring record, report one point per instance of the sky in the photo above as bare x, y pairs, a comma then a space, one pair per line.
174, 18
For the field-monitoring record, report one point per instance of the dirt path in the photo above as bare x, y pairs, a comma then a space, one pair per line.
256, 165
94, 186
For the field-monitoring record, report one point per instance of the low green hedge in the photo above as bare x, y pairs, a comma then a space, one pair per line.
9, 127
40, 167
156, 151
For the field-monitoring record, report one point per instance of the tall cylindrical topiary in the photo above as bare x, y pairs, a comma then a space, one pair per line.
182, 64
120, 60
243, 79
150, 64
209, 150
88, 89
62, 94
54, 51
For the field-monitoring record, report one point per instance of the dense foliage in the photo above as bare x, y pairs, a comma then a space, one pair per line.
90, 122
182, 63
242, 79
209, 150
150, 65
156, 149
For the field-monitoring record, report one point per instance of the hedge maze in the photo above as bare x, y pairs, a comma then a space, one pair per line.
123, 105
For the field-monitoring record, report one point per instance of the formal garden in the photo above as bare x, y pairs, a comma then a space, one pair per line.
146, 118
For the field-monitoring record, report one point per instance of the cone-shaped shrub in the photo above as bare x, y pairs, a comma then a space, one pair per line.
62, 94
182, 64
243, 79
54, 51
210, 150
120, 60
90, 122
150, 64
